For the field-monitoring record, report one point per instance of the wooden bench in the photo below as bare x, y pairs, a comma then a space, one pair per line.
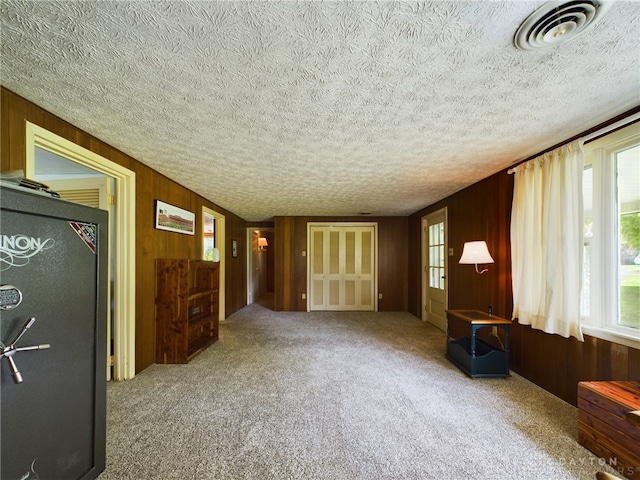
607, 423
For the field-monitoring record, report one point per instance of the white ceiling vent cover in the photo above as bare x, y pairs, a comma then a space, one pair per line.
557, 22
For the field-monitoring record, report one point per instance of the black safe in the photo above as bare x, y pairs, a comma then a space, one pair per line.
53, 301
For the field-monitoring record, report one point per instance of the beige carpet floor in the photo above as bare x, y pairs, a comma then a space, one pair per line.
335, 396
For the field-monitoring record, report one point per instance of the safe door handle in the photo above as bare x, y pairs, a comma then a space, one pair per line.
9, 351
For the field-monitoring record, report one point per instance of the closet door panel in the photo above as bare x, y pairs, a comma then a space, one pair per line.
317, 290
342, 267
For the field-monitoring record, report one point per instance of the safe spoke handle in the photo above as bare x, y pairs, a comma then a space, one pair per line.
17, 376
9, 351
23, 330
42, 346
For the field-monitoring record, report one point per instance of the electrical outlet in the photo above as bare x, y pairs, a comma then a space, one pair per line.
304, 253
379, 296
304, 297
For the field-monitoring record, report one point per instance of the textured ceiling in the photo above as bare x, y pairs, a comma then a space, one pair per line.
318, 108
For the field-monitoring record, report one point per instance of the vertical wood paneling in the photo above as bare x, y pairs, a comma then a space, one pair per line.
590, 358
483, 212
620, 361
414, 265
148, 249
13, 131
285, 273
604, 360
291, 266
280, 263
236, 282
473, 216
5, 164
270, 287
574, 371
393, 263
300, 263
634, 364
150, 242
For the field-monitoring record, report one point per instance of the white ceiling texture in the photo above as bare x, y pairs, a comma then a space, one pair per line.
318, 108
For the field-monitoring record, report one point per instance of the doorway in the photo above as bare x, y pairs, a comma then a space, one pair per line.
123, 237
435, 269
261, 267
79, 184
213, 238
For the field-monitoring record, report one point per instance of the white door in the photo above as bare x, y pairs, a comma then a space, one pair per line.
434, 281
342, 267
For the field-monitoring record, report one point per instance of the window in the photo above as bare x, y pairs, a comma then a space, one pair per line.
209, 236
436, 255
611, 267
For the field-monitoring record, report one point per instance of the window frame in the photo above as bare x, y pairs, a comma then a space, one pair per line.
205, 214
604, 293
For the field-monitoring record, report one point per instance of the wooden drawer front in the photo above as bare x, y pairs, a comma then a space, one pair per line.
603, 427
607, 442
618, 397
616, 420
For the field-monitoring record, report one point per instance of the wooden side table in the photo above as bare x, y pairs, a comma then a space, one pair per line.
474, 356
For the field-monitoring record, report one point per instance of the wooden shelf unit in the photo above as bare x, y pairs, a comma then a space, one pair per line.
187, 306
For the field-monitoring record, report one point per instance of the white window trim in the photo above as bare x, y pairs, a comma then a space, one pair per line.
611, 334
604, 248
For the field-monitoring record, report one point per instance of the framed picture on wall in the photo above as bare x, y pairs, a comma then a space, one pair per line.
175, 219
234, 248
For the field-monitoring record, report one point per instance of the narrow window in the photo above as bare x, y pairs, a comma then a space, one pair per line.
209, 236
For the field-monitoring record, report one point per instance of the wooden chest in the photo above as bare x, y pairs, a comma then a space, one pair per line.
606, 425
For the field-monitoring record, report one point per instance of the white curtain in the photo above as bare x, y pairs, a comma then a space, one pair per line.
547, 241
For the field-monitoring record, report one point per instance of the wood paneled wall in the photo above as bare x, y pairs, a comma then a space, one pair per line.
150, 242
483, 212
291, 266
479, 212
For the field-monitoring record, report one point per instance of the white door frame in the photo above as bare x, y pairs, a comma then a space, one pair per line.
124, 238
424, 248
252, 249
251, 252
220, 245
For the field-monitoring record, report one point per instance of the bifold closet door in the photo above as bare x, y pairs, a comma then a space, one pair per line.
342, 268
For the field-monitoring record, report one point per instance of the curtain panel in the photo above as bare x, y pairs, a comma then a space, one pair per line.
547, 241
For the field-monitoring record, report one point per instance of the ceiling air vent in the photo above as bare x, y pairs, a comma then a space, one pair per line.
557, 22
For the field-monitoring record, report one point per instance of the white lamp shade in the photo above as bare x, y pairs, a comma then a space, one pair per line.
262, 242
475, 253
